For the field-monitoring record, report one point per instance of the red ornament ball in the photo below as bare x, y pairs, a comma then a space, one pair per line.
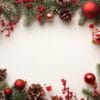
90, 9
89, 78
49, 16
8, 91
96, 37
20, 84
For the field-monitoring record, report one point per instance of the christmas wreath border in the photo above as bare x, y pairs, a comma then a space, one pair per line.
21, 91
11, 11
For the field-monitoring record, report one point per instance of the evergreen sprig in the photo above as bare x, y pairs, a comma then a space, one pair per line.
18, 94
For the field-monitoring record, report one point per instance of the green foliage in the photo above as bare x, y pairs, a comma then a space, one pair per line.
18, 94
98, 69
31, 14
87, 92
9, 10
3, 85
82, 20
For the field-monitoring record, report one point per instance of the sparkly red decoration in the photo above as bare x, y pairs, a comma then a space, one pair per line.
89, 78
8, 91
20, 84
49, 16
90, 9
49, 88
96, 36
91, 26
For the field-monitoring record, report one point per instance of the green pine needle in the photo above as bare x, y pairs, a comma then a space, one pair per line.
87, 92
98, 69
18, 94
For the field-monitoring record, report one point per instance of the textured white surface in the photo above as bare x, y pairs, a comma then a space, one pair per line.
48, 53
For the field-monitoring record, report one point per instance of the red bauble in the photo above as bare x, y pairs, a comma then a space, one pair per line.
96, 37
8, 91
90, 9
89, 78
20, 84
49, 16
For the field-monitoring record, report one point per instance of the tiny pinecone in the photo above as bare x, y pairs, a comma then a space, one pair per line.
35, 92
62, 2
2, 95
65, 15
3, 74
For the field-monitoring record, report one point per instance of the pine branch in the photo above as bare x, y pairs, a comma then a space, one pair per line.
18, 95
31, 13
3, 85
98, 69
87, 92
82, 20
9, 10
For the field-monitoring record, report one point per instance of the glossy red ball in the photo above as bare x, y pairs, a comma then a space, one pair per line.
20, 84
8, 91
89, 78
90, 9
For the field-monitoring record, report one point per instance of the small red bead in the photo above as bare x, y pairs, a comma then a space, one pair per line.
49, 88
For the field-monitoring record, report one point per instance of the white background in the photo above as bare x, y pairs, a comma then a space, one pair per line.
45, 54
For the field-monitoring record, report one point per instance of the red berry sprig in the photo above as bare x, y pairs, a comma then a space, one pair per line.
7, 27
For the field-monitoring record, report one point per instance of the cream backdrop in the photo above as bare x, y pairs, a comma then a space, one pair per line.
45, 54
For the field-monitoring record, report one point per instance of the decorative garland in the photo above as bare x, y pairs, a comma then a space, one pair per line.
20, 90
43, 11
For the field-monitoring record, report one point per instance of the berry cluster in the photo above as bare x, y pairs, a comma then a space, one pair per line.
7, 27
28, 3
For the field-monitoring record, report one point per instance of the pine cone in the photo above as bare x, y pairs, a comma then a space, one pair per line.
35, 92
65, 15
3, 74
62, 2
2, 96
56, 98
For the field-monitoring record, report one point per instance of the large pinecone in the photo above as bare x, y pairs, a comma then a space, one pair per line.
35, 92
3, 74
65, 15
2, 96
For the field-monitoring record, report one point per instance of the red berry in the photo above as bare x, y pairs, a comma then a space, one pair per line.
26, 1
28, 6
8, 91
49, 88
89, 78
20, 84
41, 8
39, 17
11, 28
91, 26
31, 0
18, 1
